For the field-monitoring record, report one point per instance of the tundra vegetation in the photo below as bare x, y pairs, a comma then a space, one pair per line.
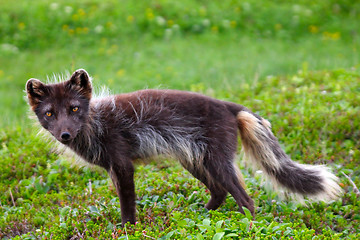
294, 62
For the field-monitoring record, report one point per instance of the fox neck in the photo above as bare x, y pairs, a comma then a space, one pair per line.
87, 143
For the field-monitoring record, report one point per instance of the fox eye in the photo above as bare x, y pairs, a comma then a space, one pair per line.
49, 114
75, 109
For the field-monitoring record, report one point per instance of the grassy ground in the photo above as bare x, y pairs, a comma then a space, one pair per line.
297, 64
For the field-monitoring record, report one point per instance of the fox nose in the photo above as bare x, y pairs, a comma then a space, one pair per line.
65, 136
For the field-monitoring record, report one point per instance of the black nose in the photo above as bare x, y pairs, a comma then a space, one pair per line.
65, 136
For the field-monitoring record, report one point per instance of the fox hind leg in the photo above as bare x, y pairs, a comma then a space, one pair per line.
218, 196
226, 175
218, 193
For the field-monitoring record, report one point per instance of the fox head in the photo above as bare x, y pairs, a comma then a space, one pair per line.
62, 108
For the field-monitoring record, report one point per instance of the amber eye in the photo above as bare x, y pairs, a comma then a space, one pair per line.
74, 109
49, 114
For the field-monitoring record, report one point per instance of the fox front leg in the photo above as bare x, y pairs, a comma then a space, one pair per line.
123, 179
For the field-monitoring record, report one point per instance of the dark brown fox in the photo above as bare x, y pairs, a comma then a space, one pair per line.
199, 131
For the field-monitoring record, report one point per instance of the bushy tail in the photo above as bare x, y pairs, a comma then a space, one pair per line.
262, 147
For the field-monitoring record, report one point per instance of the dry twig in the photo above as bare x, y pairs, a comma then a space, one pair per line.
12, 198
355, 189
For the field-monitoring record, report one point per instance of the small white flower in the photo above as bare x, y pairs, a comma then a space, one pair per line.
176, 27
99, 29
137, 55
296, 8
246, 6
196, 27
68, 9
206, 22
160, 21
54, 6
308, 12
226, 23
7, 47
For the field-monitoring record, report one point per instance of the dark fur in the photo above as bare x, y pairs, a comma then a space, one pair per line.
201, 132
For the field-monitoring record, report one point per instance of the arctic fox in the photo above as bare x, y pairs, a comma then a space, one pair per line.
199, 131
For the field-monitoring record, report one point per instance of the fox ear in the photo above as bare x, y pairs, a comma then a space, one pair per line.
80, 82
35, 90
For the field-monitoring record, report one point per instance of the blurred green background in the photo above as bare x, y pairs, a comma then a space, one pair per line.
129, 45
294, 62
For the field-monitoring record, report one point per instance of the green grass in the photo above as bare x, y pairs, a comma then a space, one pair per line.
295, 63
214, 62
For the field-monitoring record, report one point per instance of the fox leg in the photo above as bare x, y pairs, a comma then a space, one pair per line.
226, 175
218, 196
218, 193
123, 179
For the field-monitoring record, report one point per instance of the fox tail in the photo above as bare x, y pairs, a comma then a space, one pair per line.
260, 146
